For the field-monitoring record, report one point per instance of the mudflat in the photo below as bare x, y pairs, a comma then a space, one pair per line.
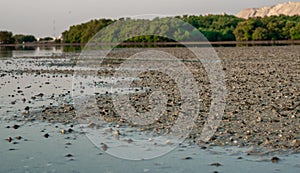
262, 103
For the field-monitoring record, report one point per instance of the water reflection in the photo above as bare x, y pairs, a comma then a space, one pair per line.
6, 51
35, 51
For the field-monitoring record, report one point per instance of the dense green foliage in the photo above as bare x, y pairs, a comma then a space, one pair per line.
83, 32
6, 37
214, 28
46, 39
20, 38
269, 28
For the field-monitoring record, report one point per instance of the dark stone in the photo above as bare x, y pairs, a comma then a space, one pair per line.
216, 164
70, 130
275, 159
26, 108
15, 126
69, 155
187, 158
9, 139
46, 135
18, 137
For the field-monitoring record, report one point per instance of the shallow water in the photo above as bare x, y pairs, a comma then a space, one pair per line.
74, 152
34, 153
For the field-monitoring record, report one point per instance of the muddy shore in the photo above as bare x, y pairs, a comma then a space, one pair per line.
262, 105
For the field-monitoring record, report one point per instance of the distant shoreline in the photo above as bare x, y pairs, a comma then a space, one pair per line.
270, 42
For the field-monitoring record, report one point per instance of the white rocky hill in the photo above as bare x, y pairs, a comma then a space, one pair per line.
289, 9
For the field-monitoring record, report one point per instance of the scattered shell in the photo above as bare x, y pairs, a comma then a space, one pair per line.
296, 143
117, 134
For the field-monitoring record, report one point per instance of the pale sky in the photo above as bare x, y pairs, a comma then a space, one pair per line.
40, 17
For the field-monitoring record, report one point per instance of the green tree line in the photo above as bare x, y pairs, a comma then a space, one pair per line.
7, 37
269, 28
214, 28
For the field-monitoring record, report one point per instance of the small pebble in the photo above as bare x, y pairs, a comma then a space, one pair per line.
187, 158
18, 137
275, 159
116, 134
296, 143
70, 130
216, 164
9, 139
69, 155
26, 108
16, 126
46, 135
104, 147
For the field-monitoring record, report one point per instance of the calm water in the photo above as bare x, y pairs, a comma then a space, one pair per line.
26, 51
74, 152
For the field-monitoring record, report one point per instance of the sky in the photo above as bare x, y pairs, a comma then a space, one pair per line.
51, 17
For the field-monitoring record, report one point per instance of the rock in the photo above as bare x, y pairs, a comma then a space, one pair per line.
117, 134
9, 139
46, 135
70, 130
26, 108
15, 126
104, 147
187, 158
216, 164
275, 159
129, 141
18, 137
69, 155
